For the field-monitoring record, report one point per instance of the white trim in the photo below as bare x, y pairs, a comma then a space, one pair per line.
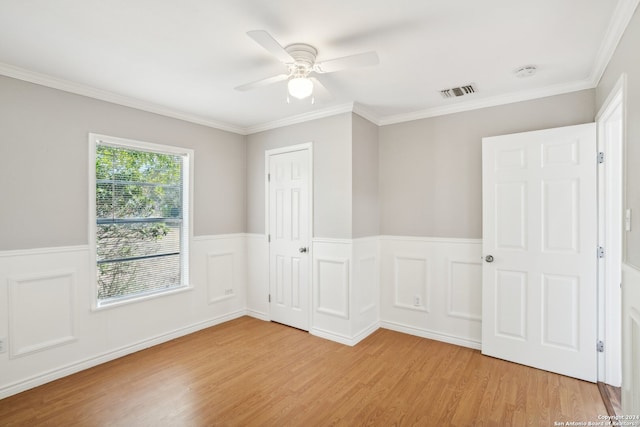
492, 101
43, 251
332, 336
365, 333
300, 118
81, 365
453, 240
617, 25
137, 299
289, 149
258, 315
211, 237
610, 233
261, 236
114, 98
620, 88
94, 140
426, 333
331, 240
365, 113
344, 339
365, 239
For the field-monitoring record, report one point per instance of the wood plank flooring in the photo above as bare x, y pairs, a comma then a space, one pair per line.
612, 398
253, 373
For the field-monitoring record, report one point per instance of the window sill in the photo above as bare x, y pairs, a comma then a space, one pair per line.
140, 298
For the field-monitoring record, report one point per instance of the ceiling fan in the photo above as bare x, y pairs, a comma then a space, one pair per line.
300, 60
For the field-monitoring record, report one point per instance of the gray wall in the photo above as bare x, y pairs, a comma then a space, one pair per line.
423, 180
331, 138
366, 200
431, 169
627, 60
44, 164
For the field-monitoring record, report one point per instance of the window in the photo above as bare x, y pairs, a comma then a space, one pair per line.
140, 224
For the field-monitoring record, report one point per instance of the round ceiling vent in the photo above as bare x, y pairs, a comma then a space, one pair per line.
526, 71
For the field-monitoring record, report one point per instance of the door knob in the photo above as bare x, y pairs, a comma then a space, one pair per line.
489, 258
302, 250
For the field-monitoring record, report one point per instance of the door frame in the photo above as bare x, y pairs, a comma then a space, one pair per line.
611, 194
306, 146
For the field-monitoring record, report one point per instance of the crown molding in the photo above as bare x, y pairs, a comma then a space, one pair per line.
617, 25
301, 118
103, 95
366, 113
493, 101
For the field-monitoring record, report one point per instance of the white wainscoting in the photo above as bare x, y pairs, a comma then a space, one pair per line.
220, 278
51, 331
630, 339
345, 289
346, 295
431, 287
358, 285
42, 322
366, 292
258, 276
331, 289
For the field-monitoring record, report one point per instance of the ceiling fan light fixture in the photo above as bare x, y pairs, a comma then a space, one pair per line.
300, 87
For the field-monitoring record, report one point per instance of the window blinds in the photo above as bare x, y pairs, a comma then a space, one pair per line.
139, 220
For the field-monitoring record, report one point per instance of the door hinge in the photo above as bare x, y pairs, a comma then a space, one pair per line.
600, 157
269, 238
600, 252
600, 346
269, 176
269, 297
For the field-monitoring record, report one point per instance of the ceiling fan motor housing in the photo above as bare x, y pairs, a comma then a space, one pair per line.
304, 56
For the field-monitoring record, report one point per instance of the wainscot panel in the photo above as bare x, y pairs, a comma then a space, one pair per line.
630, 339
431, 287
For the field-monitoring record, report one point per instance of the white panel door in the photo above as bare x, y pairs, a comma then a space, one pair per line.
540, 228
290, 235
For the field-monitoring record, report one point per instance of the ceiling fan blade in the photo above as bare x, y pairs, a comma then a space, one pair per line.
263, 82
352, 61
320, 91
265, 40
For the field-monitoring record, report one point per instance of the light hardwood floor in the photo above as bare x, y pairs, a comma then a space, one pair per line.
248, 372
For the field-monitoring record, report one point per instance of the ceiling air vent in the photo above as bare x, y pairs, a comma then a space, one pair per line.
458, 91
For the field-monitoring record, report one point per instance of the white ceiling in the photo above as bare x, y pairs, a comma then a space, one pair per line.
184, 58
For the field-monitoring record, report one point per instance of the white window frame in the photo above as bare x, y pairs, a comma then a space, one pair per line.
187, 229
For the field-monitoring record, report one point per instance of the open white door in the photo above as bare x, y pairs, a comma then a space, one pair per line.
540, 246
289, 228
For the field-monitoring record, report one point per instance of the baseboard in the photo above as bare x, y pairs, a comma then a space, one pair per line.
332, 336
341, 338
433, 335
72, 368
258, 315
365, 333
